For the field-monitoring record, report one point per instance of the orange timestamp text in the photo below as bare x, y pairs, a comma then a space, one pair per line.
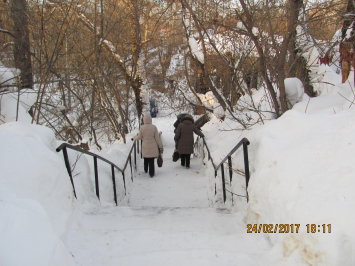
273, 228
287, 228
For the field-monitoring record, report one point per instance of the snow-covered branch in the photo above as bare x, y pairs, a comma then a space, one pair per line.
7, 32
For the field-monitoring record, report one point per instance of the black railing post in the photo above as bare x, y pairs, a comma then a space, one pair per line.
114, 182
223, 184
67, 165
228, 158
230, 169
135, 156
64, 147
130, 164
96, 178
203, 152
124, 183
246, 165
209, 155
215, 182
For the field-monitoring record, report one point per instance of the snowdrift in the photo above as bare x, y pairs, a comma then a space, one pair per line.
37, 201
301, 172
37, 204
304, 175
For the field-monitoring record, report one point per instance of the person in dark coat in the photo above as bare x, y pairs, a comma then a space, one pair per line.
185, 137
176, 124
178, 120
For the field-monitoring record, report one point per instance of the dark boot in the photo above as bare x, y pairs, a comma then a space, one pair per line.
188, 160
182, 158
151, 167
146, 161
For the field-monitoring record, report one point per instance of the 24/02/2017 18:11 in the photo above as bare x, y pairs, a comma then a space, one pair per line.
286, 228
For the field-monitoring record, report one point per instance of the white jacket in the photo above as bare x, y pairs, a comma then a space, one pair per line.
151, 141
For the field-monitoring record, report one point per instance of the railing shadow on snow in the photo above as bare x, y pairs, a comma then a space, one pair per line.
245, 142
135, 148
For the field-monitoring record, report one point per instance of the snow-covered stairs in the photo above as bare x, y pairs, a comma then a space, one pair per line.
162, 236
172, 186
168, 222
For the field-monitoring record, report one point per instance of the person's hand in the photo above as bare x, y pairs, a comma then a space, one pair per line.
161, 150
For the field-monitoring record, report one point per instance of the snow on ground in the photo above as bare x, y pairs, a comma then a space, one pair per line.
167, 222
176, 185
36, 199
164, 236
301, 173
9, 111
305, 175
37, 204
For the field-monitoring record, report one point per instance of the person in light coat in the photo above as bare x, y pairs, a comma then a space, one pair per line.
184, 135
151, 143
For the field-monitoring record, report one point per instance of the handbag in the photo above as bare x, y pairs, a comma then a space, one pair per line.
176, 156
160, 160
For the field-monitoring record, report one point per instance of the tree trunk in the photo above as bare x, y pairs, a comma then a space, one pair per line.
204, 67
22, 54
297, 64
263, 62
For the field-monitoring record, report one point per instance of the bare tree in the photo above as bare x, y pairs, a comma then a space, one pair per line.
21, 49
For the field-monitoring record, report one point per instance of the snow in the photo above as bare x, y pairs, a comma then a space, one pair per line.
27, 235
177, 188
301, 173
36, 205
301, 167
316, 179
196, 50
8, 76
8, 101
9, 111
348, 31
164, 236
294, 90
306, 44
241, 26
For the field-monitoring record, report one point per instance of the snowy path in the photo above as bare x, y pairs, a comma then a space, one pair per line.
163, 236
172, 185
167, 222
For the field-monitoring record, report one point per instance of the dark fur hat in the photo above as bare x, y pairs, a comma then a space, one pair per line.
187, 117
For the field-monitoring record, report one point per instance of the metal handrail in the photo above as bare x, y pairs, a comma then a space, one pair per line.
135, 147
245, 142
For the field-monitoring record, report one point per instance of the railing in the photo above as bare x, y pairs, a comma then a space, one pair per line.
245, 142
135, 148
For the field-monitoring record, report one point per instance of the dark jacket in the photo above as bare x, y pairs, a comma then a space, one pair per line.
177, 122
185, 136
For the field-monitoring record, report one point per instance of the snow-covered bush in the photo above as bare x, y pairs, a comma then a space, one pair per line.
294, 91
9, 109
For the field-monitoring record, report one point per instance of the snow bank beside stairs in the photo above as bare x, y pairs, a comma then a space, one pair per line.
303, 175
36, 197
